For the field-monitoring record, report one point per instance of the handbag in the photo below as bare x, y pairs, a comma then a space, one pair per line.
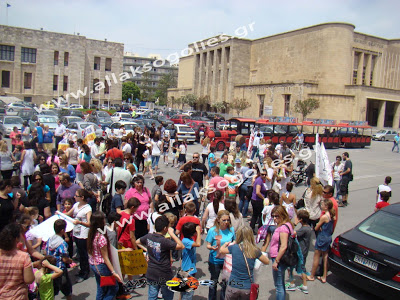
106, 280
254, 288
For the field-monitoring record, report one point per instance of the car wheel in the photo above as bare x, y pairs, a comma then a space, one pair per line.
11, 110
220, 146
382, 139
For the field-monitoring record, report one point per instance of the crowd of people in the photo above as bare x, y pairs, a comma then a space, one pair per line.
209, 200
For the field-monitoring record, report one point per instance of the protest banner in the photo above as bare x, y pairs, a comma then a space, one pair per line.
89, 135
63, 144
132, 262
45, 230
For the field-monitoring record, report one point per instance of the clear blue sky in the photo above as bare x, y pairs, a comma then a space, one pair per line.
167, 26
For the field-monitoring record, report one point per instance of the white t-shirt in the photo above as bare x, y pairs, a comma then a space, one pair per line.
270, 174
127, 148
183, 149
151, 220
383, 188
80, 231
267, 213
147, 155
156, 148
212, 215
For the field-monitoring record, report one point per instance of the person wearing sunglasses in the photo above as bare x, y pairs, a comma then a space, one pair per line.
219, 235
257, 198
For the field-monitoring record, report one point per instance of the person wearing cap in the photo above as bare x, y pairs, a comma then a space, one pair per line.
247, 173
238, 165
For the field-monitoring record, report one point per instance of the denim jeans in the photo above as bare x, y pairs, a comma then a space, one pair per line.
279, 281
155, 160
395, 145
106, 292
336, 185
215, 270
244, 203
187, 295
253, 152
81, 246
154, 288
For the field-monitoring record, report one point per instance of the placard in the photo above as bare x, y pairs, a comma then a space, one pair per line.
132, 262
45, 230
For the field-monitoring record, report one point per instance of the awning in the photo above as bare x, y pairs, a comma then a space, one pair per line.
10, 99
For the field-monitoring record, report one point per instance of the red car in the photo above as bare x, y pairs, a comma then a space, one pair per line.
180, 119
196, 126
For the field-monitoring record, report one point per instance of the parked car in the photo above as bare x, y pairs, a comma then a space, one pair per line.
346, 131
17, 106
196, 126
3, 107
26, 115
47, 105
71, 112
180, 119
75, 106
66, 120
79, 127
129, 127
48, 112
164, 120
7, 123
140, 123
183, 132
116, 107
213, 116
51, 121
100, 118
120, 115
125, 108
148, 122
368, 255
384, 135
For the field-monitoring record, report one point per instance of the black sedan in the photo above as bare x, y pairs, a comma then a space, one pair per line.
369, 254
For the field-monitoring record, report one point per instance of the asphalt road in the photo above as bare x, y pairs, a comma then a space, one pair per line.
370, 165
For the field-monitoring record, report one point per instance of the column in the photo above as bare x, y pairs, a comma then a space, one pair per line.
396, 117
200, 76
381, 115
368, 69
360, 68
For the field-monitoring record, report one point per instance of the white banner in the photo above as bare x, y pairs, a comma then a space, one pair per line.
325, 167
45, 230
317, 155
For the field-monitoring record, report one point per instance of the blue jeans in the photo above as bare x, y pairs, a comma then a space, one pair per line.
106, 292
244, 203
253, 152
154, 288
215, 270
336, 185
154, 160
395, 145
279, 281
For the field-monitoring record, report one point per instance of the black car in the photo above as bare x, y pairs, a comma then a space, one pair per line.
70, 112
125, 108
101, 118
369, 254
148, 122
212, 116
164, 120
26, 115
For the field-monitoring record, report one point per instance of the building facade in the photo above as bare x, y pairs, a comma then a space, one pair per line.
355, 76
156, 66
38, 66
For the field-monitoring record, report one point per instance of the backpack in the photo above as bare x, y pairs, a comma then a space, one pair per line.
290, 257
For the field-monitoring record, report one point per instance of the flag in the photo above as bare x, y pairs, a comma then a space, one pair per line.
326, 168
317, 155
8, 5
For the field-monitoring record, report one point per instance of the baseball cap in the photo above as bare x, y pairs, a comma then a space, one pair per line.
237, 161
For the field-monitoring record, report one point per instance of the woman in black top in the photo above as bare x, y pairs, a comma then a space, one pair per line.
7, 204
37, 198
139, 154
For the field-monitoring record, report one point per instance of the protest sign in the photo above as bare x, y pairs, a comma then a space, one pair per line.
132, 262
45, 230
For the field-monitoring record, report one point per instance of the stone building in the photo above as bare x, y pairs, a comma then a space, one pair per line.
354, 75
38, 66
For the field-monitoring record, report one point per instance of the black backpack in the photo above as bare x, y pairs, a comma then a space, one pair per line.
290, 257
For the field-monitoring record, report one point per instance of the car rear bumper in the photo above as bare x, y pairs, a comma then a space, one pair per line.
367, 282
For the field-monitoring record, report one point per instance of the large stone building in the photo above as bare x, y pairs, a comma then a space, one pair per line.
38, 66
354, 75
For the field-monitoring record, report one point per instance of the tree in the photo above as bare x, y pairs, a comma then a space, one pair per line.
220, 106
146, 90
239, 105
190, 100
305, 107
166, 82
130, 90
202, 101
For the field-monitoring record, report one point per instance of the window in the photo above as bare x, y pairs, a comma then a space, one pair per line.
205, 58
65, 84
27, 99
56, 58
227, 53
287, 105
55, 82
27, 80
66, 58
7, 52
212, 57
108, 64
261, 108
106, 87
96, 63
382, 226
95, 84
28, 55
219, 55
5, 79
198, 60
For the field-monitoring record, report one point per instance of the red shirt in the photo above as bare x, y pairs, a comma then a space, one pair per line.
125, 238
381, 204
114, 153
184, 220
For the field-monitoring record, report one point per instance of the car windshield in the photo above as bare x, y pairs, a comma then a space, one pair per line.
50, 113
381, 131
103, 114
383, 226
129, 126
13, 121
47, 120
71, 120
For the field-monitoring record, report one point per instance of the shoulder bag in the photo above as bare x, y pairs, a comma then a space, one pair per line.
254, 288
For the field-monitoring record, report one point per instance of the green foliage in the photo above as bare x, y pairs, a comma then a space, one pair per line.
305, 107
146, 90
166, 82
189, 100
239, 105
129, 88
220, 106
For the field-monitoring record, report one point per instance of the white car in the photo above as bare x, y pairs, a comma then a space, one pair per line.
79, 128
184, 132
129, 127
75, 106
120, 115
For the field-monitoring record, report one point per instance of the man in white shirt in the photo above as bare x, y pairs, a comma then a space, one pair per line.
125, 146
384, 188
119, 174
95, 149
256, 143
59, 132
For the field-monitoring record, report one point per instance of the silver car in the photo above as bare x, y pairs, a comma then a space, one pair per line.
50, 121
384, 135
7, 123
79, 128
17, 106
66, 120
